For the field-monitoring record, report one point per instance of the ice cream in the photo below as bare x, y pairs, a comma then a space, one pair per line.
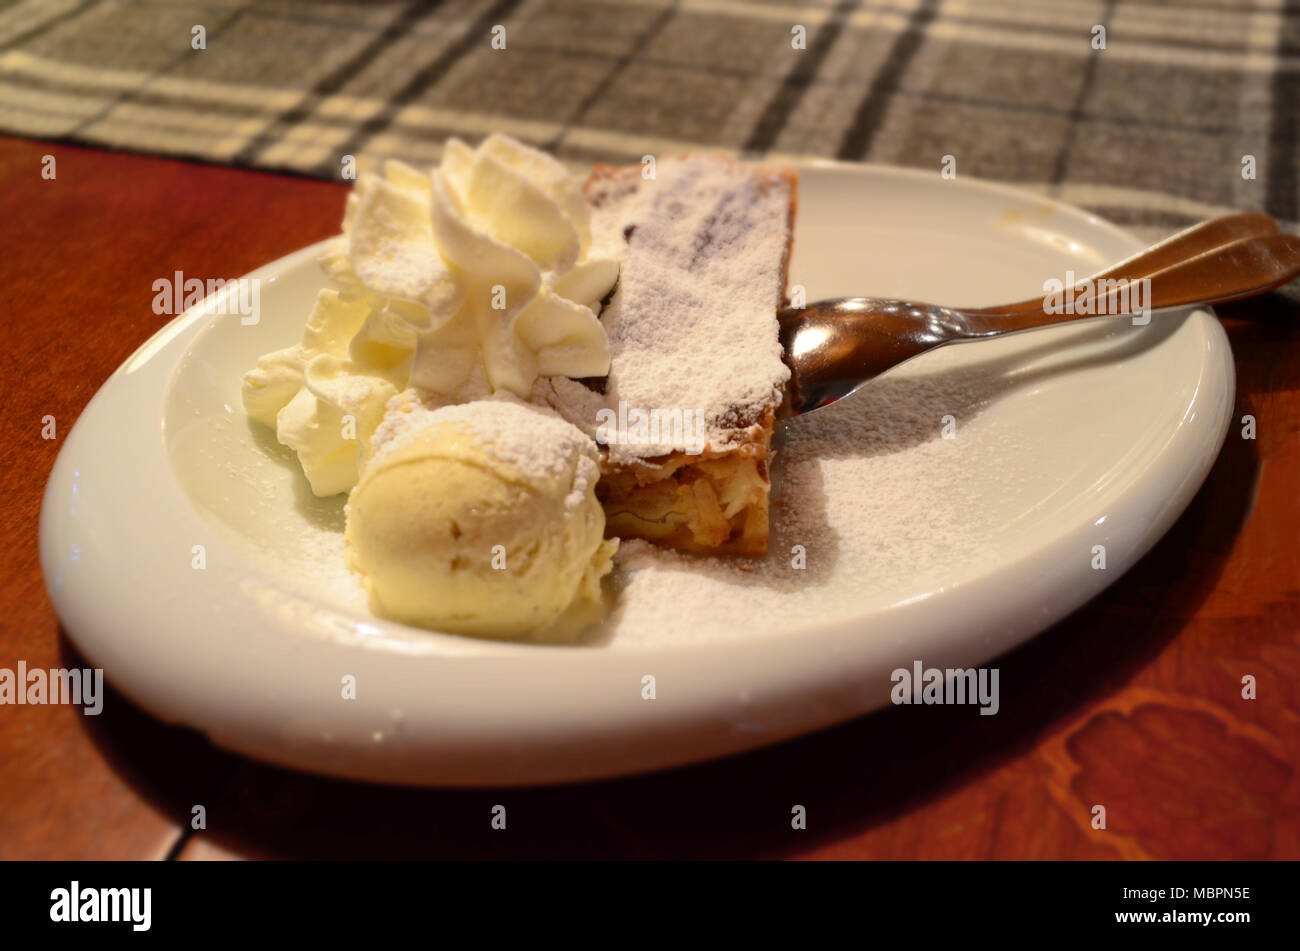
472, 280
479, 518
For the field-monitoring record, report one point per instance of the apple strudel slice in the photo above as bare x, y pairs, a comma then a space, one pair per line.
686, 415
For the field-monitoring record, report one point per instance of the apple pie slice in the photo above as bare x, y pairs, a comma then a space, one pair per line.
686, 414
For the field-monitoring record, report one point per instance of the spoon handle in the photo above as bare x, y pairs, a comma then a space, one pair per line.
1190, 243
1241, 269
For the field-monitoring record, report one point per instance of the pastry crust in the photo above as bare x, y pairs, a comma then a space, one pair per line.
714, 503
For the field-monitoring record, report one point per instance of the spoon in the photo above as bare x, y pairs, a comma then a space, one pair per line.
834, 347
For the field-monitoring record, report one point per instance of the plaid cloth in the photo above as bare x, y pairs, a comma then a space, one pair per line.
1152, 131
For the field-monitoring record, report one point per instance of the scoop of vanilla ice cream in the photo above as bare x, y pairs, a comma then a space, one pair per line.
478, 518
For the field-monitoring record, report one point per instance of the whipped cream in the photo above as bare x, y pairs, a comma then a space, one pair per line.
321, 401
475, 279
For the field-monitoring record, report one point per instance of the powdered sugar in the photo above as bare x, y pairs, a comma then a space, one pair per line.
876, 500
692, 322
532, 439
586, 474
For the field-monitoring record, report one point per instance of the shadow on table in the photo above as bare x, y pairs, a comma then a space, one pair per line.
851, 778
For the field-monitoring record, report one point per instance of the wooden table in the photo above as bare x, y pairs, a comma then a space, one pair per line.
1135, 702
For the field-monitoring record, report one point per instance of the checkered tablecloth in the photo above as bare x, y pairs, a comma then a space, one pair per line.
1187, 110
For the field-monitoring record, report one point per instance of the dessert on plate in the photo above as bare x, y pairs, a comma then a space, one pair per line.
510, 370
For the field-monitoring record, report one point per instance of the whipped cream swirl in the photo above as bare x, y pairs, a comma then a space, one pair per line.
472, 280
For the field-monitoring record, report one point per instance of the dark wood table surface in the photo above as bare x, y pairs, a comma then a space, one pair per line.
1135, 702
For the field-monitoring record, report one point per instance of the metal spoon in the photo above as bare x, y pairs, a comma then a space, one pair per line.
836, 346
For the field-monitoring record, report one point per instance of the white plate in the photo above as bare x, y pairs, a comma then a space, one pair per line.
918, 548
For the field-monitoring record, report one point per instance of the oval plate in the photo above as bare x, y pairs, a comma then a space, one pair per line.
1098, 434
